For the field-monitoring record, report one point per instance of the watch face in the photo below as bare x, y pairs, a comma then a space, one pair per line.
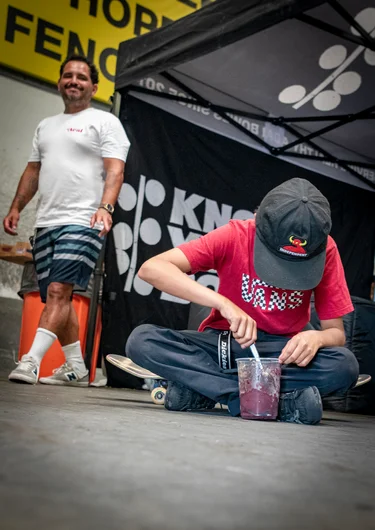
108, 207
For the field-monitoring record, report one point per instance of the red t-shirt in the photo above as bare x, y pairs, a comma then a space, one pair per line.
229, 251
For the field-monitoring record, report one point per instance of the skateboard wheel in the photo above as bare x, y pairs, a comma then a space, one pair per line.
362, 380
158, 395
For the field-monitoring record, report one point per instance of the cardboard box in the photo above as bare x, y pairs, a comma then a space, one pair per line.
19, 253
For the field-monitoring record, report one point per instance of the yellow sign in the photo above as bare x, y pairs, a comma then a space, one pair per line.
37, 35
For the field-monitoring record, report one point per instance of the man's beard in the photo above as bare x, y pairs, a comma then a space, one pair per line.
73, 97
76, 97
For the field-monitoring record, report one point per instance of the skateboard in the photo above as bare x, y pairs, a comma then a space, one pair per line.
158, 386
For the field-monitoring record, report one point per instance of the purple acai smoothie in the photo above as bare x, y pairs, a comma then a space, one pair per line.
259, 390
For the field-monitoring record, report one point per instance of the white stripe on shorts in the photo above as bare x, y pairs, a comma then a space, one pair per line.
44, 253
75, 257
81, 237
43, 275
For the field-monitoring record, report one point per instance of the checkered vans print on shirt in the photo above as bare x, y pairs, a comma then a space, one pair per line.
278, 299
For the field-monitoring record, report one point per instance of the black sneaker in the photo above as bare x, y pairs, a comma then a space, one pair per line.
179, 397
301, 406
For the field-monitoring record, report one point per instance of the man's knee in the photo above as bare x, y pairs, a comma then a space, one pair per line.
59, 292
344, 373
352, 368
138, 345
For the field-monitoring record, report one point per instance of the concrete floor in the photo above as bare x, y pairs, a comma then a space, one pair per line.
101, 458
74, 458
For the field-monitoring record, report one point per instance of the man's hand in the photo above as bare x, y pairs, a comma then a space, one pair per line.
10, 222
102, 219
242, 326
301, 348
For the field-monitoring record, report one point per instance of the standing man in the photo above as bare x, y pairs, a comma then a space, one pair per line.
77, 165
268, 270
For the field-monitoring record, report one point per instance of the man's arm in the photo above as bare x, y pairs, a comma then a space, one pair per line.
114, 169
27, 187
302, 348
168, 272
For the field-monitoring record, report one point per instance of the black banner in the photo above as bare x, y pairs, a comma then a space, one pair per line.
183, 181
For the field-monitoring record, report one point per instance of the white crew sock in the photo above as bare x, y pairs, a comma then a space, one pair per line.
43, 340
73, 355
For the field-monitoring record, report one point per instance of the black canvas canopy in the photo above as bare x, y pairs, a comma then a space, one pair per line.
294, 78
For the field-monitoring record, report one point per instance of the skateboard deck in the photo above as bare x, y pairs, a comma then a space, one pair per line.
158, 389
127, 365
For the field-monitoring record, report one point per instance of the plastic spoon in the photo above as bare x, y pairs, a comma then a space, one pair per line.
255, 353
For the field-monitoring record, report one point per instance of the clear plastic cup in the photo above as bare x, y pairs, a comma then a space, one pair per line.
259, 384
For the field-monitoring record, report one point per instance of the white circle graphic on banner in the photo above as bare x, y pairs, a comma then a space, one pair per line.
127, 198
123, 260
347, 83
141, 287
327, 100
123, 236
369, 57
366, 19
292, 94
155, 192
209, 280
150, 231
333, 57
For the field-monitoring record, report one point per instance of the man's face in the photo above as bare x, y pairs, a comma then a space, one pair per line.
75, 83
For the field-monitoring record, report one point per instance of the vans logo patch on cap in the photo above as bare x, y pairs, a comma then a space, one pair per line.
296, 248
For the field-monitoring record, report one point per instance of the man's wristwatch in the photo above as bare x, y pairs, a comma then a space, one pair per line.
108, 207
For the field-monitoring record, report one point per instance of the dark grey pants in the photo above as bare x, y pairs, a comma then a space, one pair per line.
191, 358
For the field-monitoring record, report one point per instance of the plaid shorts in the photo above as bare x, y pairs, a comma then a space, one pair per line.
65, 254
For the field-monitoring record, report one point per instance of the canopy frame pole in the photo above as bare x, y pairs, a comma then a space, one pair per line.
370, 42
325, 159
329, 28
331, 117
216, 109
193, 101
335, 160
349, 118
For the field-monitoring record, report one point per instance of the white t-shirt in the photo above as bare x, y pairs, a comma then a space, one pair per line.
71, 148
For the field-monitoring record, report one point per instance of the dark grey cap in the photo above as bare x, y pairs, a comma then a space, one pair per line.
292, 226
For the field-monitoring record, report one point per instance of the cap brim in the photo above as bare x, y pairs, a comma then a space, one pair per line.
285, 273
